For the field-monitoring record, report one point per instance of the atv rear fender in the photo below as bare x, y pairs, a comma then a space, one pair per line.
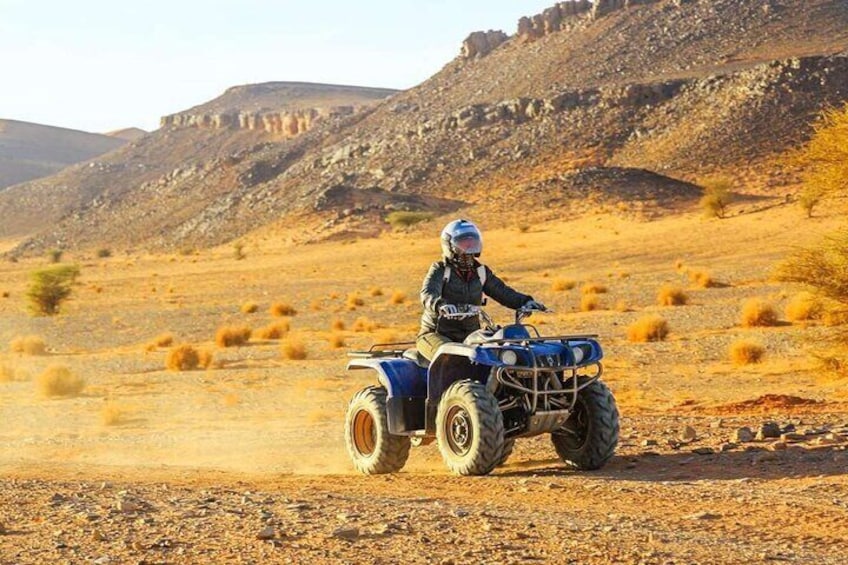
406, 384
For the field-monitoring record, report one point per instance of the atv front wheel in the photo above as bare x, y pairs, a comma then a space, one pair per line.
469, 429
372, 448
588, 439
509, 445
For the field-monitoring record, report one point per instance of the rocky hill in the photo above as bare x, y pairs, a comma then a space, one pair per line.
29, 151
127, 134
608, 91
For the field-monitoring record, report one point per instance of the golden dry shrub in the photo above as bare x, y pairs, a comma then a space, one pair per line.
593, 288
363, 324
232, 336
397, 297
669, 295
756, 312
560, 285
273, 331
205, 358
648, 328
182, 358
336, 340
621, 306
717, 197
354, 301
590, 302
375, 291
112, 414
58, 380
337, 325
701, 278
746, 352
8, 374
164, 340
316, 305
293, 348
279, 309
249, 308
28, 345
824, 161
804, 306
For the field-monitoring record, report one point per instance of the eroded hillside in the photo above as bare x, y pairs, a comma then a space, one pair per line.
683, 89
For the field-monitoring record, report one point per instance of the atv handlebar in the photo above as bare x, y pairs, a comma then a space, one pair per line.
465, 311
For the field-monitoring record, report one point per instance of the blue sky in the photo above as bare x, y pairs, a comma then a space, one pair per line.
102, 65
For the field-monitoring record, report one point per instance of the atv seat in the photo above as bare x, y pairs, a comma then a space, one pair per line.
414, 355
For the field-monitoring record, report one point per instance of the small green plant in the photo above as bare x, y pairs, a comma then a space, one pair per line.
716, 198
50, 287
402, 219
104, 253
810, 198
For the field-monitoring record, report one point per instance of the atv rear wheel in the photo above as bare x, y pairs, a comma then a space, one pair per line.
469, 429
372, 448
588, 439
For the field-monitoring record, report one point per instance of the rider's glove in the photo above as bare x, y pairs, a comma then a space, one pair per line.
448, 310
533, 305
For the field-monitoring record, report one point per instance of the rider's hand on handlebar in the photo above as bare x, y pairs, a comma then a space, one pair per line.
448, 310
533, 305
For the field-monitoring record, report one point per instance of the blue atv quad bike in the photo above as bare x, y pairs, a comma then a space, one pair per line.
476, 398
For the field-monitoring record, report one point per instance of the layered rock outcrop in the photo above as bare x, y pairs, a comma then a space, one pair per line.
481, 43
287, 123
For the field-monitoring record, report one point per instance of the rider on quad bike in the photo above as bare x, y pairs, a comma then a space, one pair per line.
459, 278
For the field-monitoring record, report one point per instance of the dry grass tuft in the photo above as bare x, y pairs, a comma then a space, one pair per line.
701, 279
648, 328
756, 312
590, 302
28, 345
621, 306
363, 324
249, 308
164, 340
804, 306
746, 352
112, 414
205, 359
273, 331
671, 296
375, 291
10, 374
397, 297
337, 325
593, 288
353, 301
336, 340
279, 309
560, 285
57, 380
230, 336
293, 348
182, 358
316, 305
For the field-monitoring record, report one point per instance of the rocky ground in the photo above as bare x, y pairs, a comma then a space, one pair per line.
667, 498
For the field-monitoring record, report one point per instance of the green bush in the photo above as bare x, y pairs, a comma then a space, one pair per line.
405, 219
50, 287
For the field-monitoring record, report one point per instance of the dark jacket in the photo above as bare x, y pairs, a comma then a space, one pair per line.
458, 290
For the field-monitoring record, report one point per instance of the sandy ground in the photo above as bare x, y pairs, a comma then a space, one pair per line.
199, 463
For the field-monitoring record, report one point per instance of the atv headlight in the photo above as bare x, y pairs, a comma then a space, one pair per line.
509, 357
578, 354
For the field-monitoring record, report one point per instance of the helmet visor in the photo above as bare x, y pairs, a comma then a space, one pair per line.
468, 243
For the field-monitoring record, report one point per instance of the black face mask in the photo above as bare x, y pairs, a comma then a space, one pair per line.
464, 261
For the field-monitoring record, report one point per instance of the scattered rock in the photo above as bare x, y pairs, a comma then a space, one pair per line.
716, 424
127, 506
97, 535
768, 430
689, 434
703, 451
460, 513
266, 533
778, 446
346, 533
2, 529
742, 435
649, 442
792, 437
727, 447
703, 516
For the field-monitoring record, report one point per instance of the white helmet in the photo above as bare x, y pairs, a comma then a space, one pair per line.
461, 240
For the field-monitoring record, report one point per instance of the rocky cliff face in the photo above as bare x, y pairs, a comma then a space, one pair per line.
286, 123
